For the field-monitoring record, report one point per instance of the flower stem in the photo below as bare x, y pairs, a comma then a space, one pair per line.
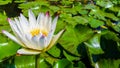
37, 58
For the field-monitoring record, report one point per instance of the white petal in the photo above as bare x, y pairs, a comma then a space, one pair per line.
40, 20
54, 39
24, 19
35, 41
27, 52
19, 34
29, 42
14, 26
24, 26
12, 37
46, 20
53, 27
48, 25
19, 27
42, 42
49, 37
32, 19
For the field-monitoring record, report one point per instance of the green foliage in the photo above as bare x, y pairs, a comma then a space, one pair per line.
94, 44
7, 49
109, 63
63, 63
91, 36
26, 62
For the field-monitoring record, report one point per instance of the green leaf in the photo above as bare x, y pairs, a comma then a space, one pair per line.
3, 19
116, 27
3, 2
63, 63
101, 14
25, 61
83, 12
79, 20
54, 8
3, 39
74, 36
7, 28
43, 64
54, 51
69, 40
111, 16
38, 7
33, 5
60, 25
105, 4
19, 1
80, 65
71, 57
109, 44
89, 6
83, 33
94, 44
7, 63
8, 49
65, 2
49, 59
118, 13
111, 36
41, 61
97, 13
114, 8
108, 63
94, 23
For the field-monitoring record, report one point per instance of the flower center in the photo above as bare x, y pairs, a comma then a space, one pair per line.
37, 31
44, 32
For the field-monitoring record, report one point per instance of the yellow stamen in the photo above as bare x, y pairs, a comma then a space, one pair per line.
35, 32
44, 32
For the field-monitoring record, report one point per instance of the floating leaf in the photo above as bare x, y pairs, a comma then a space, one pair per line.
63, 63
48, 58
80, 20
111, 16
71, 57
108, 63
94, 44
97, 13
54, 51
115, 8
116, 27
94, 23
8, 49
44, 64
80, 65
105, 4
74, 36
5, 2
25, 61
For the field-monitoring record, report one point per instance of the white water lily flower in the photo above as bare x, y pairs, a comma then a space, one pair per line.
34, 35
